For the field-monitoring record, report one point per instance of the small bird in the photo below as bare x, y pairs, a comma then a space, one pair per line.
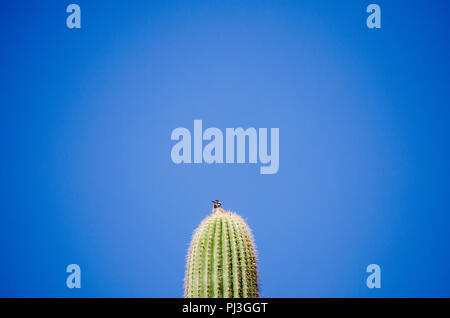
217, 207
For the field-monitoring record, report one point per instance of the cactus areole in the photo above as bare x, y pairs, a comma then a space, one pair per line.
221, 262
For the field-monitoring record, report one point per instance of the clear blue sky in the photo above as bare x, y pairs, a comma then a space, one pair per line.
86, 118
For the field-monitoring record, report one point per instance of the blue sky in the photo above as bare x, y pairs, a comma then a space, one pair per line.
87, 116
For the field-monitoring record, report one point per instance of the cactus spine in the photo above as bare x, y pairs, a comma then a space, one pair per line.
221, 261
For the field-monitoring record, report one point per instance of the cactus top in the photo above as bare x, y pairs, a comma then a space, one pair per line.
221, 261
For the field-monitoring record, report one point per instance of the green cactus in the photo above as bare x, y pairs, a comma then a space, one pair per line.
221, 262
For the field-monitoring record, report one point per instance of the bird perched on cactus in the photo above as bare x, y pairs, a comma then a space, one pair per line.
221, 261
217, 207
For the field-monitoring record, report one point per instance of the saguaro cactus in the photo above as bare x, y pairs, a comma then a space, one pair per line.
221, 261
